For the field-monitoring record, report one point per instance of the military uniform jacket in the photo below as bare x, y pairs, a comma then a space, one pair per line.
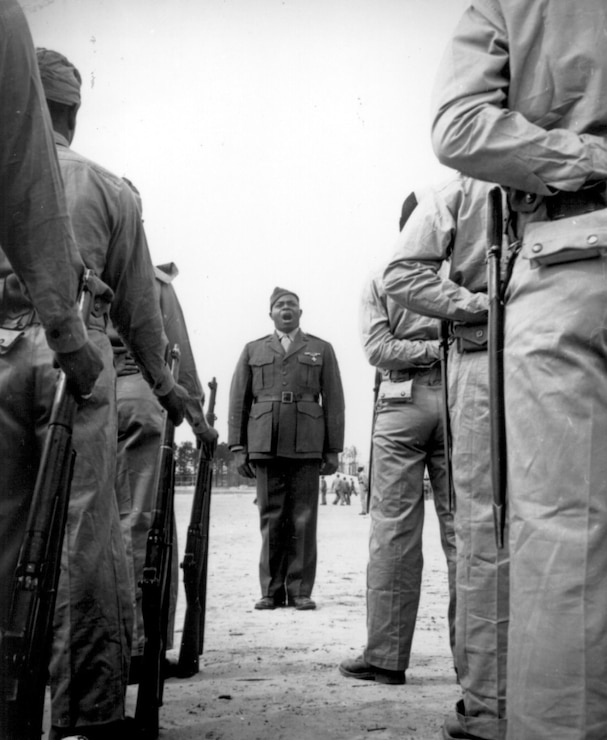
287, 404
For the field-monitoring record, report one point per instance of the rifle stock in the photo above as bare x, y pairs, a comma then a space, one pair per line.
156, 580
376, 384
496, 363
195, 558
27, 637
444, 355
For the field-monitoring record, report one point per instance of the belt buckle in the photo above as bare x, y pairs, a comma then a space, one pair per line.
286, 397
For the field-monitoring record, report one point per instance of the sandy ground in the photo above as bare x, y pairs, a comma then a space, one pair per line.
273, 674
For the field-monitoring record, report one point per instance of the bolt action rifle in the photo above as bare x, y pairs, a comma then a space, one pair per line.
496, 363
156, 581
376, 384
25, 642
196, 556
444, 354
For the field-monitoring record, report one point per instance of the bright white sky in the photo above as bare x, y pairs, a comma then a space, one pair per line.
272, 141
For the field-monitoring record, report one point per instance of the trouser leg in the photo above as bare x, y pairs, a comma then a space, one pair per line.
303, 517
556, 390
395, 552
482, 569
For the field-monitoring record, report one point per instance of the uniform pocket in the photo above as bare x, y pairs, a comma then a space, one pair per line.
259, 428
310, 367
565, 240
263, 372
310, 433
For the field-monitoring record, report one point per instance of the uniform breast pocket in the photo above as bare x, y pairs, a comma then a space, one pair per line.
263, 372
310, 367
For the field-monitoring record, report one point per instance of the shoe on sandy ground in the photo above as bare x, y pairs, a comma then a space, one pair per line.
359, 668
303, 603
266, 603
452, 730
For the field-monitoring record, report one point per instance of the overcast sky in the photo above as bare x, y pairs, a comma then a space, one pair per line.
272, 141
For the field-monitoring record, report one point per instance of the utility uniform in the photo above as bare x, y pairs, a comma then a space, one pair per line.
407, 439
93, 615
449, 224
520, 100
286, 410
140, 424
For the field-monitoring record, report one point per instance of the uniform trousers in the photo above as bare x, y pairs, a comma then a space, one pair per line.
482, 569
407, 439
287, 498
92, 626
556, 399
140, 425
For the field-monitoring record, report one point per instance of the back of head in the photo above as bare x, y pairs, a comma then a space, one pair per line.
60, 79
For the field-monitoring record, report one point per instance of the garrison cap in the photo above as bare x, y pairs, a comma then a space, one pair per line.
278, 293
60, 79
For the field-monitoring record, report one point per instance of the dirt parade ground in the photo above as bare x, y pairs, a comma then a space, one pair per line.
273, 674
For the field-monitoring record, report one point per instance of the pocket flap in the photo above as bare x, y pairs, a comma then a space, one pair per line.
310, 358
310, 408
565, 240
259, 409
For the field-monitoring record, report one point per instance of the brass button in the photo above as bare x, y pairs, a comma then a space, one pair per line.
479, 333
537, 248
592, 239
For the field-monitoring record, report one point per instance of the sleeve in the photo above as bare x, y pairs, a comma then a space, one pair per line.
241, 398
332, 401
412, 277
474, 131
135, 310
35, 231
383, 349
177, 334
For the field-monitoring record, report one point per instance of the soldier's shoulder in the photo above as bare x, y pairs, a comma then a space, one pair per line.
318, 340
253, 342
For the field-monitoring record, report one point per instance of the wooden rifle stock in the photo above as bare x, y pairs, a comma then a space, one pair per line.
195, 558
444, 355
496, 363
27, 637
376, 384
156, 582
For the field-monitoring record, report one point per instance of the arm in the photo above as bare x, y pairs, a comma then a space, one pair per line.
177, 334
241, 398
135, 310
332, 403
412, 277
476, 133
35, 230
383, 348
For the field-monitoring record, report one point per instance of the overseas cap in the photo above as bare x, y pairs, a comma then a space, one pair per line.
60, 79
278, 293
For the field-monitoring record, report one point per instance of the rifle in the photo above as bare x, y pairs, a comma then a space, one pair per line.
376, 384
496, 363
444, 354
27, 638
195, 559
156, 581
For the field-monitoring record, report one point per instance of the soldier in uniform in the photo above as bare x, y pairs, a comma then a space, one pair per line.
520, 100
93, 615
408, 439
40, 269
448, 226
286, 426
140, 424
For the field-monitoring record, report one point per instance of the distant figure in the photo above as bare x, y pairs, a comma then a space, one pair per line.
363, 485
339, 488
286, 426
323, 491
